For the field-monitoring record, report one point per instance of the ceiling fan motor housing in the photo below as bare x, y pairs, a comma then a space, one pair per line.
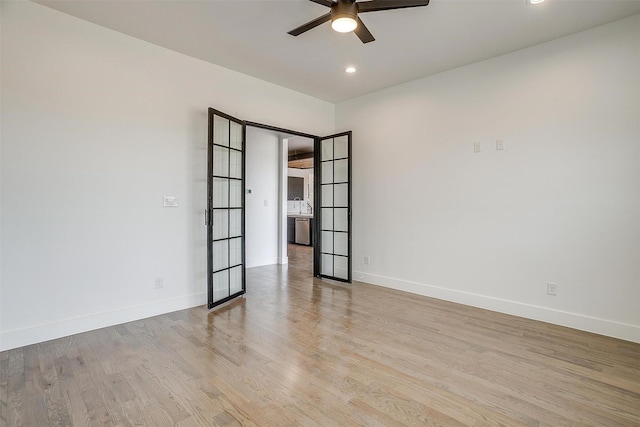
344, 9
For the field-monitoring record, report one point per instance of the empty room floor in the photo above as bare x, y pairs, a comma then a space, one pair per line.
299, 352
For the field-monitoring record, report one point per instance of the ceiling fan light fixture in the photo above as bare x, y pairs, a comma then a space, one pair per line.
344, 24
344, 16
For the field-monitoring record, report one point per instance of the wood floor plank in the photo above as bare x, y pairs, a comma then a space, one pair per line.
297, 351
37, 413
16, 409
57, 411
4, 379
71, 391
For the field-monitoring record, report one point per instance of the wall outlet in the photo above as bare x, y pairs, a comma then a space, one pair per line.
169, 201
159, 283
477, 147
367, 260
552, 288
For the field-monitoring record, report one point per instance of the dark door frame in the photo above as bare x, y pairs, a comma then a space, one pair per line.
318, 173
211, 301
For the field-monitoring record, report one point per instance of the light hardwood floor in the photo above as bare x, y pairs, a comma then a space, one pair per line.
299, 352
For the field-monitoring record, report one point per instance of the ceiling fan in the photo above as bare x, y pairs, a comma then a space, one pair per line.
344, 15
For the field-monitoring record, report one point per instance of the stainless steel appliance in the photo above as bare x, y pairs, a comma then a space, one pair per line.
302, 231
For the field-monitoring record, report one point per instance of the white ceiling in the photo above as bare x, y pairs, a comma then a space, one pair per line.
250, 36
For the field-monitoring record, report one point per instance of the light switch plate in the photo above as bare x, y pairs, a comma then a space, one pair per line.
170, 202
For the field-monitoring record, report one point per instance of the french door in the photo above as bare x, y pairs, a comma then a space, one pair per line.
332, 250
225, 209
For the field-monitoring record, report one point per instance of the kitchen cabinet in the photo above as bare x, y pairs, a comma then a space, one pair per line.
291, 230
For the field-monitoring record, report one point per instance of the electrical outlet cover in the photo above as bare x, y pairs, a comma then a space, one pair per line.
170, 202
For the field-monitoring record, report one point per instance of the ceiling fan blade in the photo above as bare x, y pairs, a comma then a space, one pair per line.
327, 3
311, 24
375, 5
363, 32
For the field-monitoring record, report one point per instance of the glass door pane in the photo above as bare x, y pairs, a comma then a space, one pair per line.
225, 206
332, 254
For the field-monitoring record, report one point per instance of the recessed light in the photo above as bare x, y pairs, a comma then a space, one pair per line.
350, 70
534, 1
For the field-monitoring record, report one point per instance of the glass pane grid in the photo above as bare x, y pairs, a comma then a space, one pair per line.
334, 208
227, 236
335, 242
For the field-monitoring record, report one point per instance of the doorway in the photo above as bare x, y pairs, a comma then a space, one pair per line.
279, 198
300, 202
323, 208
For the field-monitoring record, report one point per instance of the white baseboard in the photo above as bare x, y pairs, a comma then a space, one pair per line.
261, 262
572, 320
49, 331
35, 334
283, 260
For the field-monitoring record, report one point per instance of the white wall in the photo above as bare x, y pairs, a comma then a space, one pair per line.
262, 205
283, 159
96, 128
560, 204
